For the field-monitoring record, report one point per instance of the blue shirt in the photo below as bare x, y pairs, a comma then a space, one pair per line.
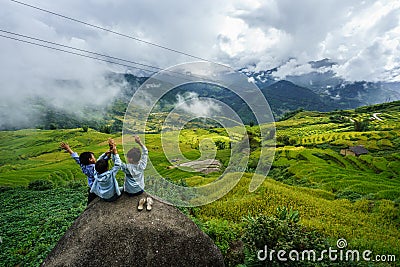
88, 170
105, 184
134, 173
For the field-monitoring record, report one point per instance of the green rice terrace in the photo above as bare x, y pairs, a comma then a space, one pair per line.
355, 197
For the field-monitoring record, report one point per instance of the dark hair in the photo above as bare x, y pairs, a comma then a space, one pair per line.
101, 166
134, 154
84, 157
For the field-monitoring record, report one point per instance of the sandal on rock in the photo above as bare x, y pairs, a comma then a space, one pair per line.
141, 204
149, 203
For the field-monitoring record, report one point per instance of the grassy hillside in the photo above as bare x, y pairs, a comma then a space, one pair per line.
356, 198
29, 155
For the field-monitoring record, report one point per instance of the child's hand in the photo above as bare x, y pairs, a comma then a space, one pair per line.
66, 147
114, 150
137, 140
111, 143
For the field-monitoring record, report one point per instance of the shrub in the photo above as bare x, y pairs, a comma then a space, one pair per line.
283, 139
105, 129
85, 128
53, 126
361, 126
284, 214
350, 195
220, 144
40, 185
4, 188
74, 184
292, 141
221, 232
277, 234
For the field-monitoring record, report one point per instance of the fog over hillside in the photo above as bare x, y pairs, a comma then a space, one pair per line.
342, 50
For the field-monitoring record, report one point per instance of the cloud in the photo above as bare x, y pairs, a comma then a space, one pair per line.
239, 33
292, 68
74, 83
363, 37
199, 107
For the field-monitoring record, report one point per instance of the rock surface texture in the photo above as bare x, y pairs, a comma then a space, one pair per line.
117, 234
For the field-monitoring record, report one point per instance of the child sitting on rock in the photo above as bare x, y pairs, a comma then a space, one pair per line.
105, 184
87, 162
134, 173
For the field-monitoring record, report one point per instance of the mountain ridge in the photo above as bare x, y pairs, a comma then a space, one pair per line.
318, 90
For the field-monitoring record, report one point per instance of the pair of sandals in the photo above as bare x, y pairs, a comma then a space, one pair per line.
143, 201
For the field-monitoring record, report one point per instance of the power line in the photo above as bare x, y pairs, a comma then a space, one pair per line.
110, 31
116, 33
277, 97
91, 52
182, 75
74, 53
78, 49
272, 96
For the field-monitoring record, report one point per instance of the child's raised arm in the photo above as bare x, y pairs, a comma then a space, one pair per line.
111, 143
115, 157
138, 141
66, 147
143, 160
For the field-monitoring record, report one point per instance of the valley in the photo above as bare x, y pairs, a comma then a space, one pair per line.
351, 197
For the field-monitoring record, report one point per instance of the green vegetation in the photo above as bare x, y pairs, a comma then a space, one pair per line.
327, 195
32, 222
278, 233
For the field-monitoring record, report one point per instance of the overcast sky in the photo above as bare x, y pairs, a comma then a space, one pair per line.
361, 36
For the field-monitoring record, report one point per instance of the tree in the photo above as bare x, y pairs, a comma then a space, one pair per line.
220, 144
361, 126
283, 139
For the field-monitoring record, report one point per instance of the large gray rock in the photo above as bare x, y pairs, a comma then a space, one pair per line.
117, 234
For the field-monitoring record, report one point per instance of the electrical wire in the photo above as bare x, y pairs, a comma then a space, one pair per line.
78, 49
77, 54
113, 32
271, 96
110, 31
91, 52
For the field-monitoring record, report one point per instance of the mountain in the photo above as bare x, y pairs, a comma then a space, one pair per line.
323, 81
366, 93
320, 89
284, 96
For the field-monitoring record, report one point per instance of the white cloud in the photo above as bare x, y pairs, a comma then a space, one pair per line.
74, 82
363, 37
192, 104
293, 68
262, 33
352, 33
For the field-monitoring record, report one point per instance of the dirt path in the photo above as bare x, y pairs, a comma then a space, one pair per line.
204, 166
375, 115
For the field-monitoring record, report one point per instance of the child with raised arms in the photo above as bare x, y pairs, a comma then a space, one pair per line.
134, 173
86, 161
105, 184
